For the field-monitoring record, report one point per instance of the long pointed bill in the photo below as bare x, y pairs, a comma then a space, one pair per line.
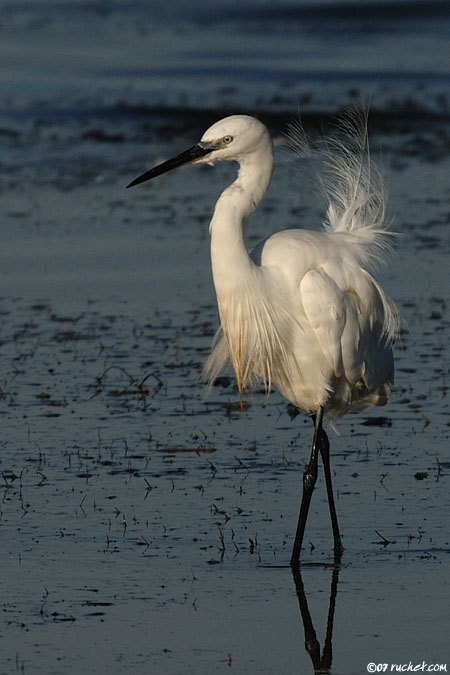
185, 157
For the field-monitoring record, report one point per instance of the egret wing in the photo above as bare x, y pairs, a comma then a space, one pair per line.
324, 304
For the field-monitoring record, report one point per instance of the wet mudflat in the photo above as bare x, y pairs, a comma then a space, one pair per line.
146, 522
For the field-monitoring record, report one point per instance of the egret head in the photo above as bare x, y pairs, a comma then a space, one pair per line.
229, 139
235, 136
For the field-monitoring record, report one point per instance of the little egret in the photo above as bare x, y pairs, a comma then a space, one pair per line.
301, 312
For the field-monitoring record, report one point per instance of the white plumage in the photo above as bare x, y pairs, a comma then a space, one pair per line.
302, 312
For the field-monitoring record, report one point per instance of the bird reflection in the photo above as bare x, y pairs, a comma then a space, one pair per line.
321, 662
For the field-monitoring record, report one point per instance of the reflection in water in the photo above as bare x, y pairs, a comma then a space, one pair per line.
321, 663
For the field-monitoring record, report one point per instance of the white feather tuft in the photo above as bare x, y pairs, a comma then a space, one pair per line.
350, 182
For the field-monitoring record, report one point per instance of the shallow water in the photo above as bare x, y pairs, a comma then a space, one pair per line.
146, 523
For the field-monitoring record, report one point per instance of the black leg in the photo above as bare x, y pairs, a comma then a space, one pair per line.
309, 480
320, 444
324, 447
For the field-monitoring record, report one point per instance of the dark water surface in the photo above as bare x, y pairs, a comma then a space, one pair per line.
147, 524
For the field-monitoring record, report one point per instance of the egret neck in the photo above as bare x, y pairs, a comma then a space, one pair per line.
230, 261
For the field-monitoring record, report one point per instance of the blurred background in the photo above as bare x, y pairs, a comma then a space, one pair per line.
92, 92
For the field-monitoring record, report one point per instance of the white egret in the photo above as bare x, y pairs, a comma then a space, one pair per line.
302, 312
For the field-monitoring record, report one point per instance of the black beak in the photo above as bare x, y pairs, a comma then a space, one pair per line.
185, 157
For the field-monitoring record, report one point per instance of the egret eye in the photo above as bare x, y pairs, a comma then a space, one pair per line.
226, 140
